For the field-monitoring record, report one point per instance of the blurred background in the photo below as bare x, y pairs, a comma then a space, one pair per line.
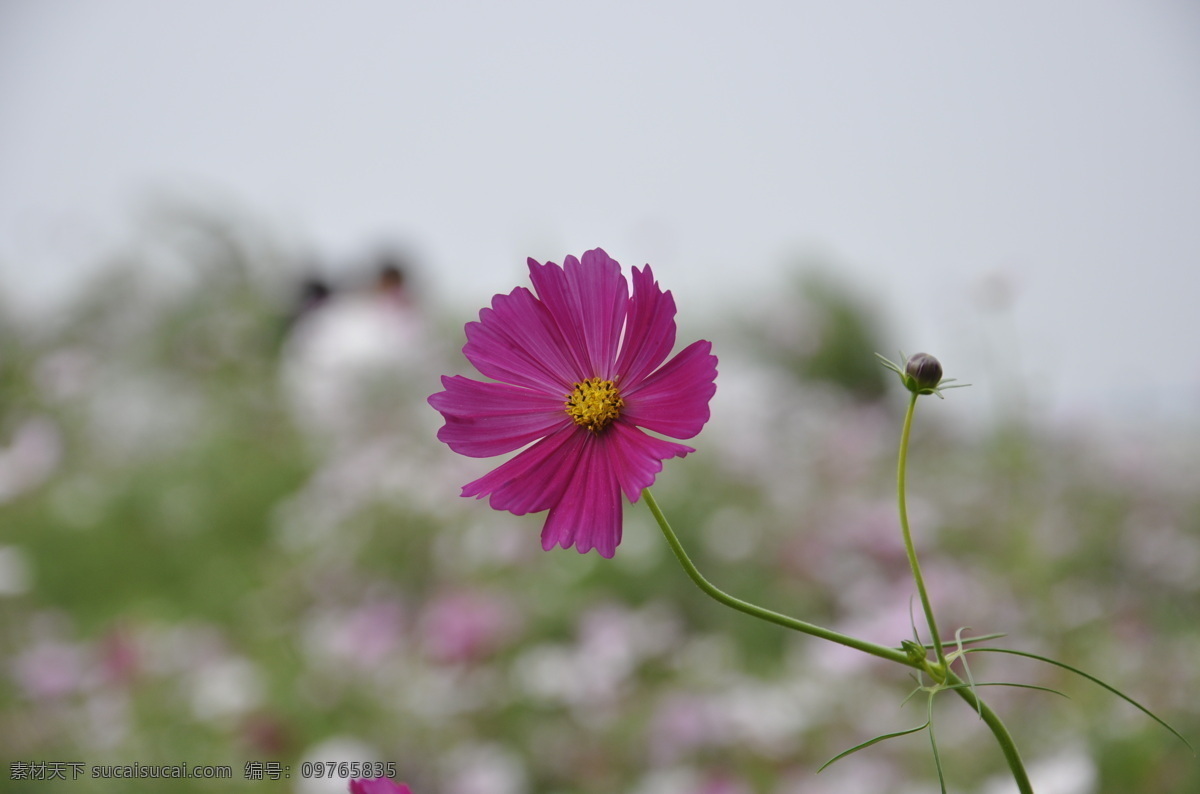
238, 243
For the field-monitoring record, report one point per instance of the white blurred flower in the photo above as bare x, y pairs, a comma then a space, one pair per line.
484, 769
359, 638
766, 716
1071, 771
672, 780
336, 749
16, 571
226, 688
107, 720
31, 458
865, 774
66, 373
132, 414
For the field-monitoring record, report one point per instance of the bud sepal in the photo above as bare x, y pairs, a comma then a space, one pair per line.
921, 374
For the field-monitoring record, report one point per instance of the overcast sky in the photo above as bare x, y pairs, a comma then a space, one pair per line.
922, 147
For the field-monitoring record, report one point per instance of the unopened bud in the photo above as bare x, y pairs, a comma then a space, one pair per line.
915, 653
922, 373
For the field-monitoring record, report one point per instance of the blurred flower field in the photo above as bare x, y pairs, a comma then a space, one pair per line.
228, 536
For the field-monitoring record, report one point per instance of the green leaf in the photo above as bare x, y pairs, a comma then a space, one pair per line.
1009, 683
870, 742
958, 641
937, 758
920, 688
1094, 680
891, 365
969, 640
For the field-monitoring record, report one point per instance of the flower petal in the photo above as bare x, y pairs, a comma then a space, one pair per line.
536, 478
674, 400
517, 341
579, 322
485, 419
649, 329
588, 515
378, 785
588, 301
637, 457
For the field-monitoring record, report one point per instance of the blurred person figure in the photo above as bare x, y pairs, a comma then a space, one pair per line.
355, 356
313, 293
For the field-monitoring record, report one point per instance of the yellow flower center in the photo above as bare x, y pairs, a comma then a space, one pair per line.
594, 403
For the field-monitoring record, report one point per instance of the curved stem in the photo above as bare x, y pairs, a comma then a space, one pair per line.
901, 467
883, 652
964, 690
990, 718
993, 721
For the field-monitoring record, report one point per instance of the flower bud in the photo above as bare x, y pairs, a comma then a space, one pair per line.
922, 373
915, 653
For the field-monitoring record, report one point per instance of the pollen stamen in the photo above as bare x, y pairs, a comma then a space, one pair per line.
594, 403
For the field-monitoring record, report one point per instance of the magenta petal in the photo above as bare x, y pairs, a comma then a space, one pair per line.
588, 301
485, 419
588, 516
517, 341
535, 479
674, 400
378, 785
649, 329
582, 323
637, 457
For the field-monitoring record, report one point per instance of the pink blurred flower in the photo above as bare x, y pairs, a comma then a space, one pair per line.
579, 371
683, 723
378, 785
465, 626
722, 783
120, 656
50, 669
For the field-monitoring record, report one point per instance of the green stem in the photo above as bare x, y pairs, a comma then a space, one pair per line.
892, 654
993, 721
901, 467
717, 594
965, 691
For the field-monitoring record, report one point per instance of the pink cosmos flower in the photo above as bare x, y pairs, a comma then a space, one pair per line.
580, 375
378, 785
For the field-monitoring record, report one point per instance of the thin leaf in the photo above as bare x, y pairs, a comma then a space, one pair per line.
1018, 686
870, 742
912, 621
889, 364
966, 667
937, 758
970, 640
920, 687
1094, 680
